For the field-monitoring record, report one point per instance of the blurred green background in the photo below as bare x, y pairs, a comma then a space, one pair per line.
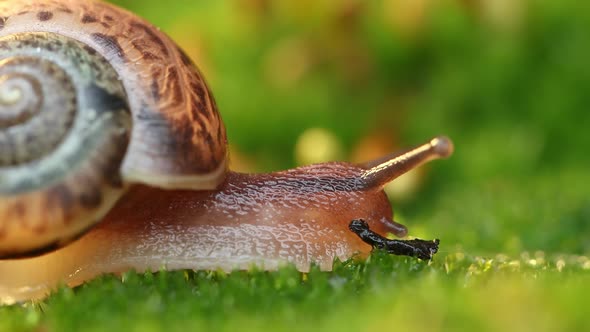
507, 80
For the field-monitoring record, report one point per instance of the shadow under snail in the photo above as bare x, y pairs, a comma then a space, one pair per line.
113, 157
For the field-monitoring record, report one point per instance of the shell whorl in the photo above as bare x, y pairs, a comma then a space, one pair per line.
64, 129
120, 80
178, 139
30, 88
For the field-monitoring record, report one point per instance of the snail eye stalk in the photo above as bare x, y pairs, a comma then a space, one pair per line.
387, 169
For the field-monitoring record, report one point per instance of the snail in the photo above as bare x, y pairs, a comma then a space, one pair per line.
113, 157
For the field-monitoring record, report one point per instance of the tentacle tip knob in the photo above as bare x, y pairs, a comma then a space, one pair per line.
442, 146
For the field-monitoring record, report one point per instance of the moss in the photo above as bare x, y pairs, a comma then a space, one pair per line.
459, 292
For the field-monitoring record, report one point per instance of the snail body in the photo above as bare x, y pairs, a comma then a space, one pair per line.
149, 176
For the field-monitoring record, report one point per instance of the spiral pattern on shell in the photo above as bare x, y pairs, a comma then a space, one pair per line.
64, 129
30, 90
94, 99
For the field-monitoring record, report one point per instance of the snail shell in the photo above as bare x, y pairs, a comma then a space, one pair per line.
93, 98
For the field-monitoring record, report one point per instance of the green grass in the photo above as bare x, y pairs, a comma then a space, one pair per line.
532, 292
511, 207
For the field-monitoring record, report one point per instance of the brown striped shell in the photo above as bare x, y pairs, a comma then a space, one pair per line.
93, 98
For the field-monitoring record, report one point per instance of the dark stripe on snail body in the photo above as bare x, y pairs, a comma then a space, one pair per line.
136, 142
